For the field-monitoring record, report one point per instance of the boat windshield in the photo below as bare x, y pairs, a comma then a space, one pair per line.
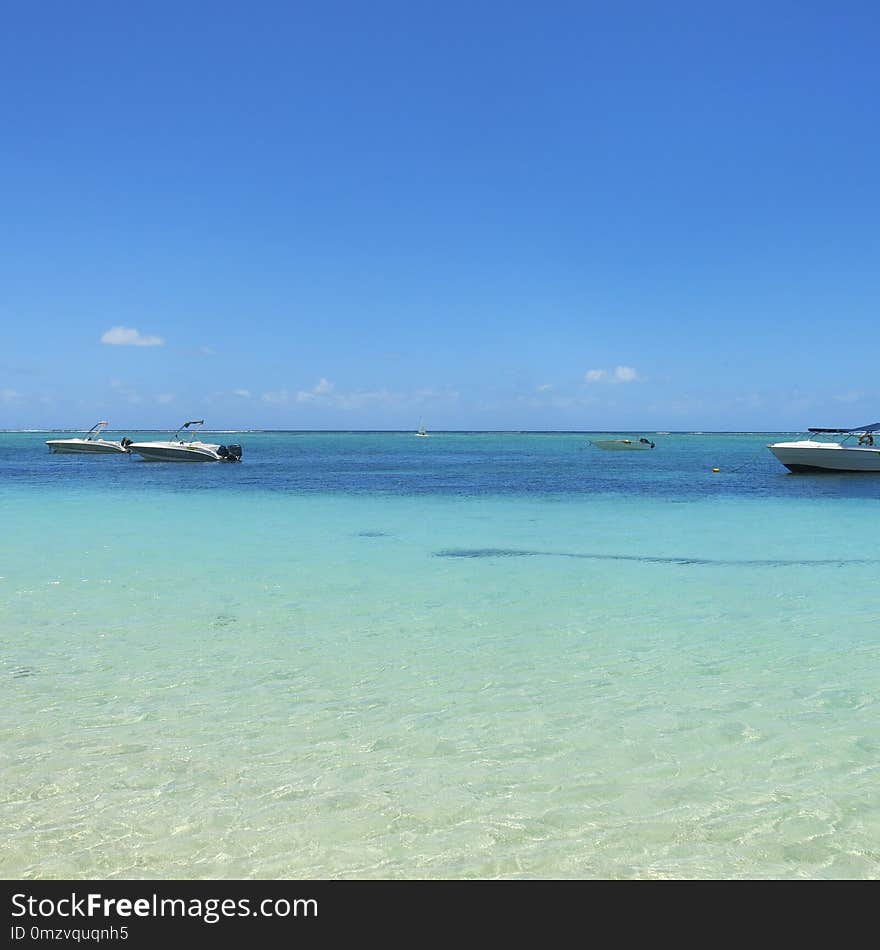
865, 435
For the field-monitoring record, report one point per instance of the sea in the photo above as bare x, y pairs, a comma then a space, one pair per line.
476, 655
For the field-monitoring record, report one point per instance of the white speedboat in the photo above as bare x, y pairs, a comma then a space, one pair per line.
624, 445
90, 443
186, 450
856, 452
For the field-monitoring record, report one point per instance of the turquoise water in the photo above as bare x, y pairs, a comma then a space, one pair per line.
366, 655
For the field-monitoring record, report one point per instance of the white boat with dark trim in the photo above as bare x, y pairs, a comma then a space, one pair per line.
856, 452
623, 445
186, 450
90, 443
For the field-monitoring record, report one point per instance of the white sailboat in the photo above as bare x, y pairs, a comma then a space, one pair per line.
421, 431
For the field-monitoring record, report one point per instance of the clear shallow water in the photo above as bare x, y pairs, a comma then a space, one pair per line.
468, 656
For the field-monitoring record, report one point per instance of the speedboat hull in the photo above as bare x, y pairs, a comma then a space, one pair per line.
185, 452
623, 445
176, 451
813, 456
86, 447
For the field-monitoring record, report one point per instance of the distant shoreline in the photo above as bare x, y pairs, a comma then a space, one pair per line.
433, 431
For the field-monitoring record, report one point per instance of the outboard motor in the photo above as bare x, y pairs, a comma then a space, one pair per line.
230, 453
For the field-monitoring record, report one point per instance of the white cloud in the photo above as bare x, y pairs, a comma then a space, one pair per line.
128, 336
851, 396
165, 398
9, 395
322, 388
434, 396
551, 399
197, 350
324, 393
620, 374
546, 387
244, 393
364, 399
130, 394
278, 396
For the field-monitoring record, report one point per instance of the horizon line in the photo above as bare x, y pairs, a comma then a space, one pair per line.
435, 431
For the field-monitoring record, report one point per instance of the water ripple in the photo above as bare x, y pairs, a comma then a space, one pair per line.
650, 559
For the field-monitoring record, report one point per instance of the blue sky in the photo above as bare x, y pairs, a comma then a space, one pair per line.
492, 215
